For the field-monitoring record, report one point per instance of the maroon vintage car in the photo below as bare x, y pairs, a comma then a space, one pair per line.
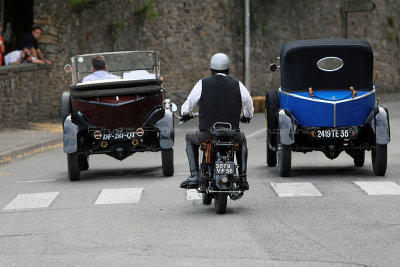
117, 117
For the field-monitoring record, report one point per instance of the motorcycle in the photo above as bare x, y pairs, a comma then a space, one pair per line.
218, 173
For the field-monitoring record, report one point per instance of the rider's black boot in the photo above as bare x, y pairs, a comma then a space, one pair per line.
192, 152
242, 162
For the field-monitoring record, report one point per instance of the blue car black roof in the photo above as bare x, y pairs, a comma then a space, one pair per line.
299, 69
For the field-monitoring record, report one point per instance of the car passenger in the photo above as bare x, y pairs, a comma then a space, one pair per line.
99, 68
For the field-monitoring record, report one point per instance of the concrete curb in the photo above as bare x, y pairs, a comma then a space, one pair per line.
18, 152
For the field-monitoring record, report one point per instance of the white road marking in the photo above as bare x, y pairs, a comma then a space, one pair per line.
182, 173
263, 130
377, 188
119, 196
36, 181
192, 194
296, 190
32, 201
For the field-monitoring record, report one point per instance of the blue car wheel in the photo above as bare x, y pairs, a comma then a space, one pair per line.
379, 159
271, 108
284, 158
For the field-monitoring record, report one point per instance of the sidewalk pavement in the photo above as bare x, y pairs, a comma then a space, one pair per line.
37, 137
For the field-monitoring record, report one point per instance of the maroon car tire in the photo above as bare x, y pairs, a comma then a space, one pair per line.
74, 170
167, 159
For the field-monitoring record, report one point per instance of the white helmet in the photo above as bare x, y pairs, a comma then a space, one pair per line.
219, 61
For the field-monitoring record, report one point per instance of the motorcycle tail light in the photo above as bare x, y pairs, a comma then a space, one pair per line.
224, 179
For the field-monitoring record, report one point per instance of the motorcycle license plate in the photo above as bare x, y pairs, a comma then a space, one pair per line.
333, 133
224, 167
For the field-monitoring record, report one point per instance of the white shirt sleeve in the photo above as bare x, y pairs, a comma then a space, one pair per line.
192, 99
247, 101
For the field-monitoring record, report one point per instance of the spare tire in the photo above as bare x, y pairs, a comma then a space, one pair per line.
66, 106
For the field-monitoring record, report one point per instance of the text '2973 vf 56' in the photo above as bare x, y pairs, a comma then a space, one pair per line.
224, 167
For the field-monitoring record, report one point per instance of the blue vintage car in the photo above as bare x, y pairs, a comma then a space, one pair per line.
326, 103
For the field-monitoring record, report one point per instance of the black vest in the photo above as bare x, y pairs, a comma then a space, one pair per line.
220, 101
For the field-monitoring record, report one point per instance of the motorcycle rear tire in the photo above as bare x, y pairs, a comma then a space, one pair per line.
220, 201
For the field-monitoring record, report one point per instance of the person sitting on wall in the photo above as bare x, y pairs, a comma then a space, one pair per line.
99, 68
30, 40
19, 56
2, 47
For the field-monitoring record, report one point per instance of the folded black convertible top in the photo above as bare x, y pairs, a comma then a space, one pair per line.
120, 87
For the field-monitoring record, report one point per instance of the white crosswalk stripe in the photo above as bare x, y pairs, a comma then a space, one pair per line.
377, 188
295, 189
192, 194
133, 195
32, 201
119, 196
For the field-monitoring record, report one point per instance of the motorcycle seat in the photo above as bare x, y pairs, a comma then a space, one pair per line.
223, 132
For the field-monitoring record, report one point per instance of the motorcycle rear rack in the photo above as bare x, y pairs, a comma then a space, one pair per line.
218, 191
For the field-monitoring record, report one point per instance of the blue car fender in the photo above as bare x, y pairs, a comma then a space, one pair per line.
287, 127
166, 128
378, 120
70, 134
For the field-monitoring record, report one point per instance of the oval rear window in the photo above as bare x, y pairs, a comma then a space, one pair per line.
330, 63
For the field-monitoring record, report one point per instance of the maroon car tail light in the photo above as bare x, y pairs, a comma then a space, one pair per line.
97, 135
140, 132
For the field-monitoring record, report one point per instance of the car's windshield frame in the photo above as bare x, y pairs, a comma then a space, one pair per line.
135, 61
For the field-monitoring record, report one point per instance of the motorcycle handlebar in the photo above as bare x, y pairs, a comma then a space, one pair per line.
190, 116
187, 117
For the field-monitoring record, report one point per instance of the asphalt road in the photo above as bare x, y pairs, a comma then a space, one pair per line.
342, 225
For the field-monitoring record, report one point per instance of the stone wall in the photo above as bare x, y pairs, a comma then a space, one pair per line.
277, 22
25, 95
188, 32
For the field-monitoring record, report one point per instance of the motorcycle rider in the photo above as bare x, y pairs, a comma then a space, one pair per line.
220, 98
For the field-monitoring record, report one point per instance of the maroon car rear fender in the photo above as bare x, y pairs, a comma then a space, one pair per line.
166, 129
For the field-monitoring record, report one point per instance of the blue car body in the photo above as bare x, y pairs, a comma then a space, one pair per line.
326, 102
328, 108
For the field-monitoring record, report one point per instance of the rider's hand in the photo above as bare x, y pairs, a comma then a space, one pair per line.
186, 117
244, 119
